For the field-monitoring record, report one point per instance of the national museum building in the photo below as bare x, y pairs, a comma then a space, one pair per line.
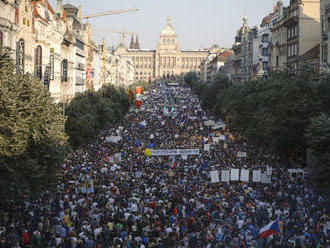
168, 60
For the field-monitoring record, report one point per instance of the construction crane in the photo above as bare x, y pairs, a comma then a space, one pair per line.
110, 12
122, 33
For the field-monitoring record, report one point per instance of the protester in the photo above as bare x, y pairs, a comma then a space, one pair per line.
113, 195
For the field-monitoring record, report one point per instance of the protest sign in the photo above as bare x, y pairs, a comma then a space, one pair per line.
256, 177
241, 154
266, 177
245, 175
113, 139
207, 147
234, 174
215, 176
225, 176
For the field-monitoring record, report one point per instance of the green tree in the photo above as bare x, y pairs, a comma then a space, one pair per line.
318, 135
32, 141
91, 112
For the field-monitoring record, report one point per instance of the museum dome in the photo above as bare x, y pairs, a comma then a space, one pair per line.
168, 30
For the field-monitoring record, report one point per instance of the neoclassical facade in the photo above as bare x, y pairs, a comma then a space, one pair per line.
168, 60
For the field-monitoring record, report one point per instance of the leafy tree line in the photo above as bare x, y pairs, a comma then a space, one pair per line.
90, 112
286, 113
32, 140
35, 137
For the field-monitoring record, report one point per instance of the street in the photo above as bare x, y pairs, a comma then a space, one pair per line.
116, 193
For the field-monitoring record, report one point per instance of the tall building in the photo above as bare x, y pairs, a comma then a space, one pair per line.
279, 37
239, 59
264, 42
325, 36
303, 32
166, 61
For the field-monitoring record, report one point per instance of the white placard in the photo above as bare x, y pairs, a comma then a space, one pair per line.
234, 174
207, 147
174, 152
225, 145
176, 136
266, 177
241, 154
222, 137
225, 176
215, 139
245, 175
184, 157
112, 139
256, 178
152, 136
163, 123
215, 176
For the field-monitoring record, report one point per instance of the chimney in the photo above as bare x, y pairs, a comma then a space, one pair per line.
58, 7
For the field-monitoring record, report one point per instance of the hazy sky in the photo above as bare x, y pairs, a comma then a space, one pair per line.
198, 23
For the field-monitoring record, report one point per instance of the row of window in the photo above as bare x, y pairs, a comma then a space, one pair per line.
292, 32
164, 59
168, 41
293, 49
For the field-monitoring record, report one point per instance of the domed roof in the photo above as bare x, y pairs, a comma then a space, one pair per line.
168, 30
266, 20
244, 29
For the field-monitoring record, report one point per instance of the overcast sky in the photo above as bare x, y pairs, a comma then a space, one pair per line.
198, 23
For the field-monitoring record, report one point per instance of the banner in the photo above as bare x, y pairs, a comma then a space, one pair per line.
215, 176
234, 174
174, 152
256, 178
245, 175
225, 174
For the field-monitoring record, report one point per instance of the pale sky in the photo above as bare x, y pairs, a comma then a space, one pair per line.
198, 23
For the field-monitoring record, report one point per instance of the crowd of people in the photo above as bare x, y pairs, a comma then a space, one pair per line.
113, 194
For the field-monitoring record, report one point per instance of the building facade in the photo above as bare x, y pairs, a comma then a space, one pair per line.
325, 36
8, 26
303, 29
264, 41
167, 61
279, 38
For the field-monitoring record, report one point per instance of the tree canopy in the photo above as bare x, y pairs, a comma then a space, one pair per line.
32, 138
274, 113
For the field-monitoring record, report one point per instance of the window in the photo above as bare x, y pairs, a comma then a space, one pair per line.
277, 61
26, 8
64, 71
28, 23
24, 20
265, 52
38, 62
1, 38
265, 65
265, 37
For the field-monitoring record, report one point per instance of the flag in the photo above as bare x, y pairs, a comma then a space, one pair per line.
174, 162
205, 165
138, 142
152, 145
270, 229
